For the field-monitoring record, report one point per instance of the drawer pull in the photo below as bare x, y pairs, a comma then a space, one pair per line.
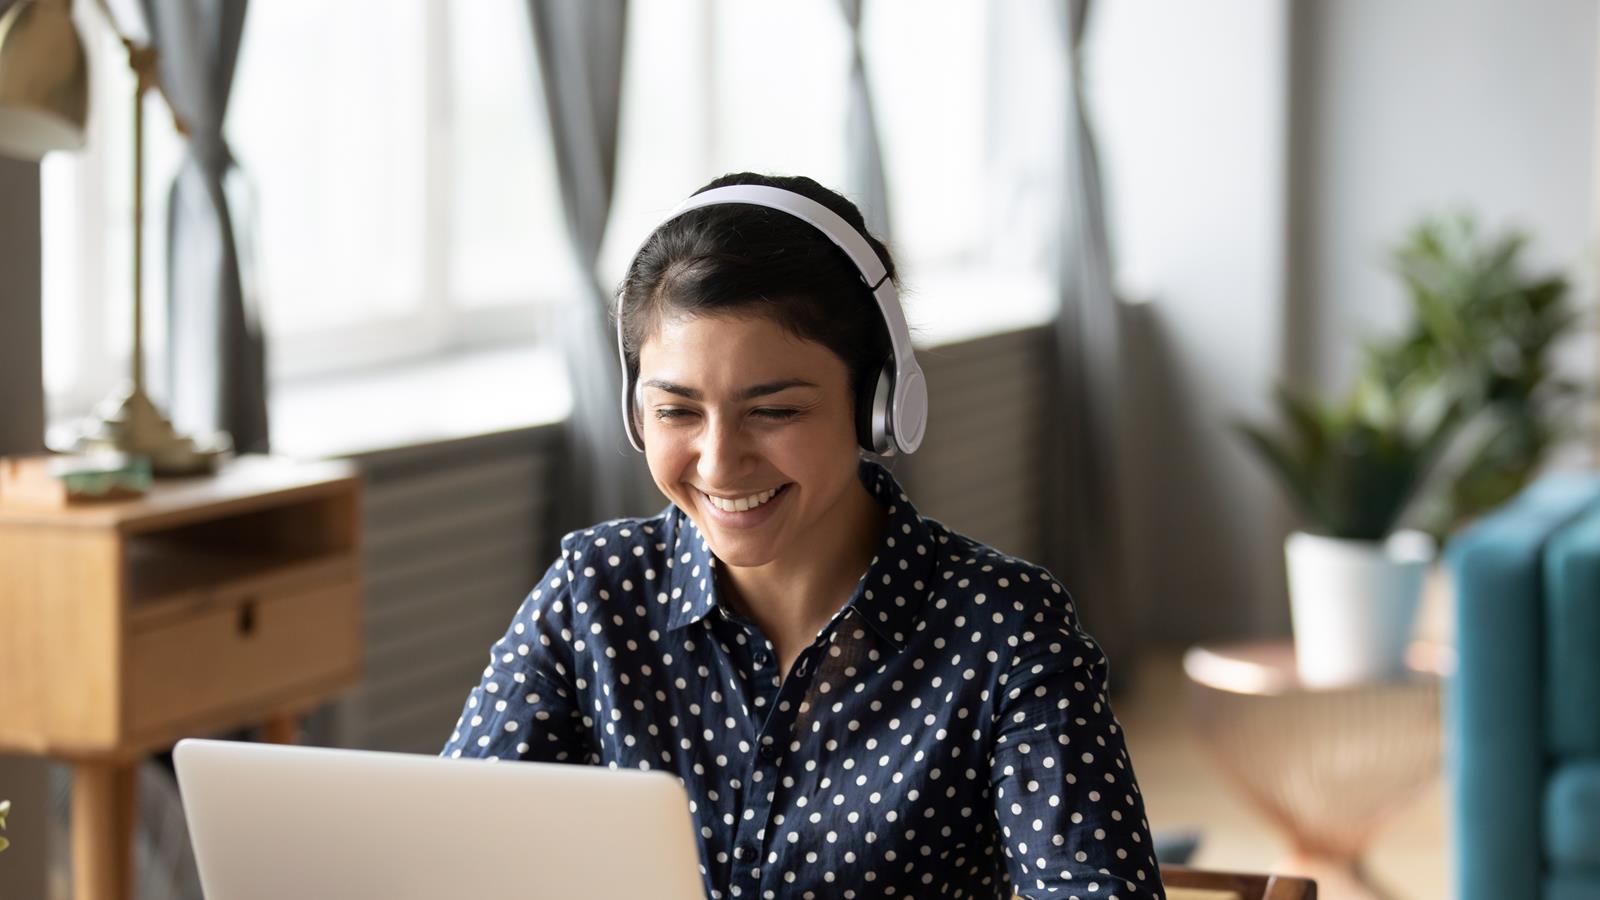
247, 617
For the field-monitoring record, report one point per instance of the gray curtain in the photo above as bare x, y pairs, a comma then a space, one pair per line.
867, 183
217, 373
1083, 524
579, 46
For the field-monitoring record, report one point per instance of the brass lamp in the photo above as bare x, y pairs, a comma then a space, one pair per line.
44, 81
44, 94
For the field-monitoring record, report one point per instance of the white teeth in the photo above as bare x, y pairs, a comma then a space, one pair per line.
742, 504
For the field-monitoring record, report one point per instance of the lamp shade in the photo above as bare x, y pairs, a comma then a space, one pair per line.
44, 80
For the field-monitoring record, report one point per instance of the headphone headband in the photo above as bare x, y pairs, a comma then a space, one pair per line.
905, 419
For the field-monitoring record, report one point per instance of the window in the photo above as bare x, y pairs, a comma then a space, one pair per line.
87, 234
408, 205
403, 202
714, 86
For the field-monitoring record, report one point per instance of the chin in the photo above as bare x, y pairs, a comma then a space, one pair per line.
738, 561
743, 554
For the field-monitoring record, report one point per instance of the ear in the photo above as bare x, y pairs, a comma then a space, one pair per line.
637, 409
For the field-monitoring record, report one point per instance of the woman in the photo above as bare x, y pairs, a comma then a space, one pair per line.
860, 701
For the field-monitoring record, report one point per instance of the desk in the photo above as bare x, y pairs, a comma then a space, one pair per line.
209, 604
1327, 766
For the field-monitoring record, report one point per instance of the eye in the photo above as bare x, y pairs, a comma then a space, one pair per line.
672, 412
774, 413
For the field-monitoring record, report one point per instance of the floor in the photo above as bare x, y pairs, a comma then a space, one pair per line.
1182, 790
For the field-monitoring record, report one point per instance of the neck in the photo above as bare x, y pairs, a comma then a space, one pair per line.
790, 599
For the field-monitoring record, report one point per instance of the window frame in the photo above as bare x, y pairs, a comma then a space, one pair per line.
440, 326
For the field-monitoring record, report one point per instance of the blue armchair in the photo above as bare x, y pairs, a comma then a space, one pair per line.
1523, 708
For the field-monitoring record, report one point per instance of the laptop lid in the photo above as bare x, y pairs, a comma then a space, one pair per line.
272, 821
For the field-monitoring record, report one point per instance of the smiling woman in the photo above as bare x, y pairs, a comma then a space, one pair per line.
788, 559
860, 701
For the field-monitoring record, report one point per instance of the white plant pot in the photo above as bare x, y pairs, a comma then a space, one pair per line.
1354, 604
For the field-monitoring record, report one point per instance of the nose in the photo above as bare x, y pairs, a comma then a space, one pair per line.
724, 452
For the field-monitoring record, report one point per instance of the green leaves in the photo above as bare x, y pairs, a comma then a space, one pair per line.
1352, 467
1447, 419
1486, 330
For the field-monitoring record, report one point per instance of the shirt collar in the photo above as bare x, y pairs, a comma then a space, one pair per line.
889, 596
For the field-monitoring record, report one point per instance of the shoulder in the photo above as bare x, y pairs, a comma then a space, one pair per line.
616, 557
1029, 611
1015, 590
1027, 614
602, 550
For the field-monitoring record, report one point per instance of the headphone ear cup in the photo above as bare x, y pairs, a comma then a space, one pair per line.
872, 411
635, 420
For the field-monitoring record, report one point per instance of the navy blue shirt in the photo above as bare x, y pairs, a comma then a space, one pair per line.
947, 733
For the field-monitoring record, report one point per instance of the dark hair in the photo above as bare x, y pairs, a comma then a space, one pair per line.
739, 258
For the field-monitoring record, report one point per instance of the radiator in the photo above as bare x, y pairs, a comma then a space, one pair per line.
455, 536
979, 465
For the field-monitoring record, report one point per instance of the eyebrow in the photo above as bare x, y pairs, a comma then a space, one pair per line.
749, 393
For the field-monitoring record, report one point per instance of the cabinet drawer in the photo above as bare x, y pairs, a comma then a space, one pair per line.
240, 651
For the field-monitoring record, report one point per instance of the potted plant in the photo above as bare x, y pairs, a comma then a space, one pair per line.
1444, 422
1351, 469
1486, 330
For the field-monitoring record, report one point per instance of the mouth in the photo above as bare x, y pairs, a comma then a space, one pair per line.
741, 513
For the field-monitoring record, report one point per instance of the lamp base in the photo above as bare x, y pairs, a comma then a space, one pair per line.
130, 423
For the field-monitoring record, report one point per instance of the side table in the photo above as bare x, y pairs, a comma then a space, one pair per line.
1328, 766
208, 604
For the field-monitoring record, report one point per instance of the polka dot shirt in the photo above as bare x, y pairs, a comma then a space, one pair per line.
947, 733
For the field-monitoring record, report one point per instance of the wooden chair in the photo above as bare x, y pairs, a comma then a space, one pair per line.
1183, 883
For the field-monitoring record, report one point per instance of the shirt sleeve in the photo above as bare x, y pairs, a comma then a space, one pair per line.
526, 705
1071, 816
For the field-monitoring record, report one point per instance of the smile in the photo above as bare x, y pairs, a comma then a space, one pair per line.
744, 504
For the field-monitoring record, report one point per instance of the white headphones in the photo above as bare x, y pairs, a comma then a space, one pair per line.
892, 412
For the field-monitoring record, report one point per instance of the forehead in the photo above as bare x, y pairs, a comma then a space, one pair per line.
733, 351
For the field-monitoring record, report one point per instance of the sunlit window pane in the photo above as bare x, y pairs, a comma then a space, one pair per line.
86, 229
664, 147
328, 119
927, 65
781, 96
61, 222
406, 198
508, 237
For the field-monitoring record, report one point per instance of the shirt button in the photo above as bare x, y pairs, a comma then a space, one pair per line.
761, 657
769, 752
744, 852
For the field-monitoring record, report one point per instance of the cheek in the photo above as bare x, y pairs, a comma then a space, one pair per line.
824, 435
664, 453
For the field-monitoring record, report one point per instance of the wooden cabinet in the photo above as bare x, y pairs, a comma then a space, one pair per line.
209, 604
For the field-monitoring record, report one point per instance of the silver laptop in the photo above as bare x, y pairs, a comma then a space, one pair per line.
271, 821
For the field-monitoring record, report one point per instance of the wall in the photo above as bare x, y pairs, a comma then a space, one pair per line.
1260, 157
22, 780
1404, 109
1189, 104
